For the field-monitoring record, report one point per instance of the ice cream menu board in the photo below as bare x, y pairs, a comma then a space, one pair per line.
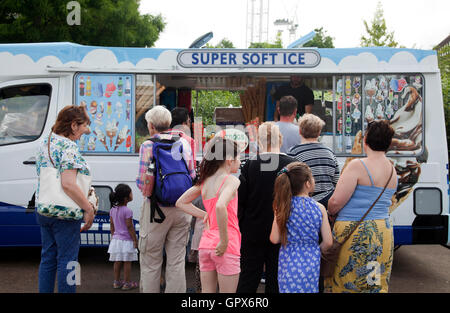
109, 99
362, 99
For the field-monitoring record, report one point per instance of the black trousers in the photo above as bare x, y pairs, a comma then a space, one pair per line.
254, 255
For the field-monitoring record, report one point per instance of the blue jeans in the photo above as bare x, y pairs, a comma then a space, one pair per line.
60, 245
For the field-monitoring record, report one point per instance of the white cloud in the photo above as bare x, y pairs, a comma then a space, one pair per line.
104, 58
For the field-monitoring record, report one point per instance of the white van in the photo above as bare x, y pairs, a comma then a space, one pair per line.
118, 85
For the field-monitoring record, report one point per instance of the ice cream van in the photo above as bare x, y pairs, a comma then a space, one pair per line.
118, 85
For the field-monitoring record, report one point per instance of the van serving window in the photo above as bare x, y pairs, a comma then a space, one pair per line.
23, 111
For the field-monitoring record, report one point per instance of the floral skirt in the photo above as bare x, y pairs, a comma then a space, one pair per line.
365, 260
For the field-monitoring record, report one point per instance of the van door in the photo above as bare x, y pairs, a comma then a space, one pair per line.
27, 112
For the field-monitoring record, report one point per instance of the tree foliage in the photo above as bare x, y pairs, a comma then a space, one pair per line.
223, 44
277, 44
377, 34
208, 100
103, 23
320, 40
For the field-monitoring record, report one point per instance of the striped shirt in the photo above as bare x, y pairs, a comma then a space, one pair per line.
323, 164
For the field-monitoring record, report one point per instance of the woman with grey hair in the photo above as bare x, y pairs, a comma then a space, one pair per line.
172, 233
318, 157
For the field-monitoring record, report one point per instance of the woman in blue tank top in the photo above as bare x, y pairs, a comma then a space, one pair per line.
365, 260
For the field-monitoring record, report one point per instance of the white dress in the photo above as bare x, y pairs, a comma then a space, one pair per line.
122, 250
121, 247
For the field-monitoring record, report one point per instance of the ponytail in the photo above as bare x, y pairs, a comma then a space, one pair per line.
113, 199
120, 195
290, 182
282, 204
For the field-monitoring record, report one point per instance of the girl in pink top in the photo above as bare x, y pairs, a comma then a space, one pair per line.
219, 250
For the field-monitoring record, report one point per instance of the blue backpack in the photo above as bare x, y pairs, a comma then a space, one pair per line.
171, 172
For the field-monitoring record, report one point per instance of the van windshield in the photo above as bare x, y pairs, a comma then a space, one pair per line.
23, 110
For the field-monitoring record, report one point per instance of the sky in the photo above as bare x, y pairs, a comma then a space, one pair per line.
419, 24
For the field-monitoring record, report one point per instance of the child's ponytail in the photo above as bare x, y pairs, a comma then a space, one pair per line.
290, 182
120, 194
282, 203
113, 199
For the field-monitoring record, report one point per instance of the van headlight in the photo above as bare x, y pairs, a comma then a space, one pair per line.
427, 201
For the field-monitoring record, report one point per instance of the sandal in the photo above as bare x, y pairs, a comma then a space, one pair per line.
130, 285
118, 284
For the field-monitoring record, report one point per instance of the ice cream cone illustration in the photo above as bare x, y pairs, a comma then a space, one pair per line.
370, 90
111, 130
91, 144
369, 114
380, 111
101, 137
82, 142
122, 136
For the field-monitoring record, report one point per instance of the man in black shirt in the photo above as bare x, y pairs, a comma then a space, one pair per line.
302, 93
255, 213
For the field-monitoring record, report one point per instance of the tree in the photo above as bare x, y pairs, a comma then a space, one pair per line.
102, 22
277, 44
320, 40
209, 100
378, 36
223, 44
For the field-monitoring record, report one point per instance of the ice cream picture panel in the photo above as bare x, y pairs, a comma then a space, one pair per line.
109, 99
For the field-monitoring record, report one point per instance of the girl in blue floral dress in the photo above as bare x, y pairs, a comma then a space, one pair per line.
297, 223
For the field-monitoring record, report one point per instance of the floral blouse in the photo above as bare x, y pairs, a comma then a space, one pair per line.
66, 156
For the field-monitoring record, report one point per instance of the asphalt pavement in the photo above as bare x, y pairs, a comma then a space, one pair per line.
416, 269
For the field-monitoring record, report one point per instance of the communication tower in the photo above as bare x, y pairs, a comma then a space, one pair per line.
257, 21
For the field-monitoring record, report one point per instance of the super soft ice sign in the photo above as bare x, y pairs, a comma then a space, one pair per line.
248, 58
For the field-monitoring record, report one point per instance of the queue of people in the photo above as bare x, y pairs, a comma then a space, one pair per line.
276, 217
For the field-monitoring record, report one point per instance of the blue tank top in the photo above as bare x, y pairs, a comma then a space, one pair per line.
362, 199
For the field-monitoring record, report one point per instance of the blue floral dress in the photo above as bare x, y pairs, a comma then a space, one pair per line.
299, 260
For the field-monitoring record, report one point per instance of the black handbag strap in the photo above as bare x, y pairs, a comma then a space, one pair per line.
368, 211
154, 208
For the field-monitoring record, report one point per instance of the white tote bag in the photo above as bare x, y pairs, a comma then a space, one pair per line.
52, 200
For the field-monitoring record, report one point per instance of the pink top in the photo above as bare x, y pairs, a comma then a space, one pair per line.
211, 237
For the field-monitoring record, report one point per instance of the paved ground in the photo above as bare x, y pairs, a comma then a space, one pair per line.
420, 268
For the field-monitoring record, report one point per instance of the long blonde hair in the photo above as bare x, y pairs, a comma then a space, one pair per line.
290, 181
269, 136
